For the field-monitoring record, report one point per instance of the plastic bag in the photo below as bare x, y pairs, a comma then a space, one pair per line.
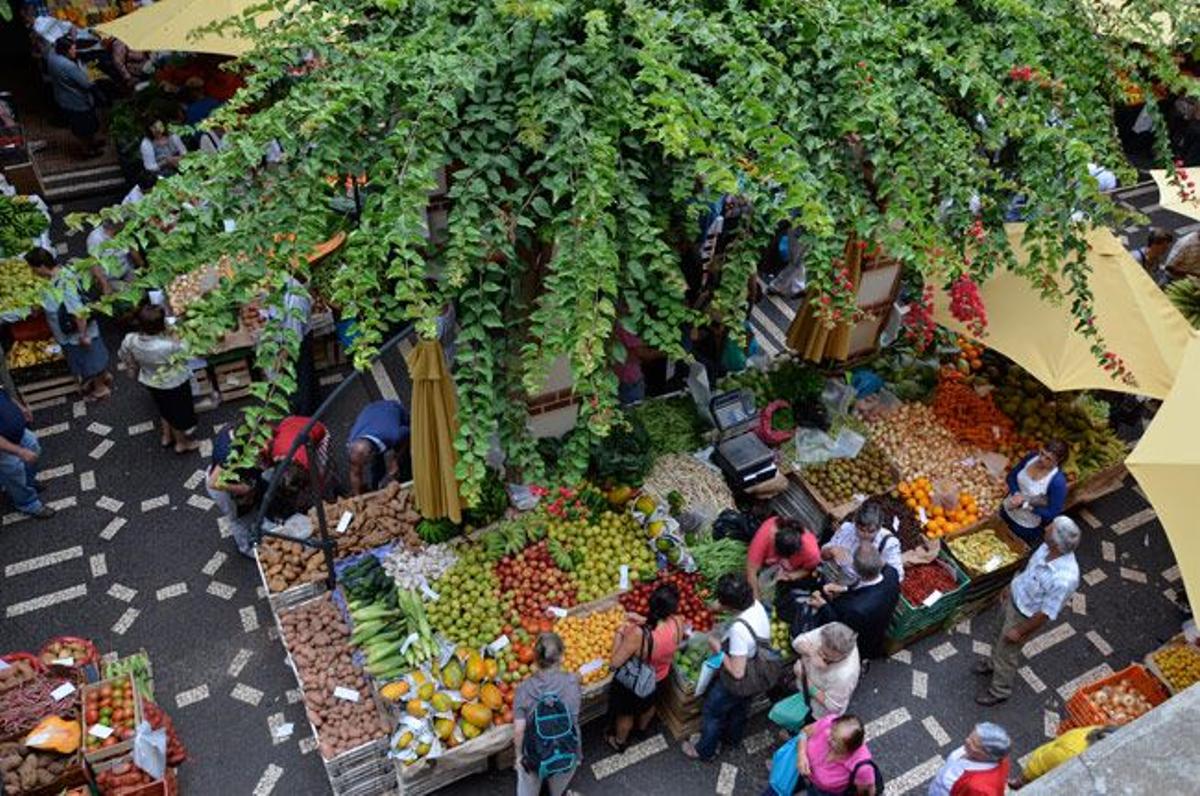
709, 671
837, 396
785, 771
54, 734
791, 281
697, 383
522, 497
892, 326
790, 713
150, 750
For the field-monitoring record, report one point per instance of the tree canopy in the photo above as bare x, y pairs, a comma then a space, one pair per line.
581, 137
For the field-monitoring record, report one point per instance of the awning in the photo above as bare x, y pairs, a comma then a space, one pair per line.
1137, 321
167, 25
1166, 463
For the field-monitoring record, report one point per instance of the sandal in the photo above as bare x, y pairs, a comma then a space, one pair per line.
619, 748
193, 445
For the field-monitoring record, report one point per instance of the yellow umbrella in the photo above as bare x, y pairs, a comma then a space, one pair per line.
434, 428
1137, 321
1169, 198
167, 25
1166, 463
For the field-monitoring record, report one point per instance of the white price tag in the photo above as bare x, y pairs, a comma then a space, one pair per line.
556, 612
409, 640
996, 432
922, 516
100, 731
991, 563
858, 497
348, 694
63, 662
624, 577
344, 522
498, 644
590, 667
429, 593
895, 522
3, 665
54, 348
62, 692
229, 224
157, 298
933, 597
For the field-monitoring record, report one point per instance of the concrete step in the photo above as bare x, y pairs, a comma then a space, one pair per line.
98, 180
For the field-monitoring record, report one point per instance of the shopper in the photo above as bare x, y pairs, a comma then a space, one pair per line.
782, 551
546, 694
723, 719
1153, 256
295, 314
867, 526
1053, 754
977, 768
156, 360
74, 95
99, 245
1037, 492
833, 759
865, 607
378, 445
19, 452
827, 668
161, 151
235, 491
653, 640
631, 382
87, 356
1036, 596
198, 104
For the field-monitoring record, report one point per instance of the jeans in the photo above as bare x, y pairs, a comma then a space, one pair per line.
19, 479
723, 719
530, 784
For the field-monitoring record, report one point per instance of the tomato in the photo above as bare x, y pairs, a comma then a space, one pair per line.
92, 716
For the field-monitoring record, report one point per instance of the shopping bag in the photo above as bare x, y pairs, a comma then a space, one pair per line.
790, 713
708, 672
784, 771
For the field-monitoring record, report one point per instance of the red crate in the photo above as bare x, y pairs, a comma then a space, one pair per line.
1083, 711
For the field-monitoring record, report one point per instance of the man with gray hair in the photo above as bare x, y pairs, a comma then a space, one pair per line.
868, 525
977, 768
1036, 596
867, 606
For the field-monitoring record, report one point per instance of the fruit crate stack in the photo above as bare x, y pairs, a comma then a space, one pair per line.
1176, 664
912, 621
1117, 699
987, 578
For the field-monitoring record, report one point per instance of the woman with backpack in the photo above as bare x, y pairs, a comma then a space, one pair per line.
641, 658
546, 722
831, 759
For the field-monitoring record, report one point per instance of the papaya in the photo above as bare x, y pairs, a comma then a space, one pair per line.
452, 675
477, 714
440, 702
469, 689
476, 670
490, 696
416, 708
469, 730
404, 740
491, 668
443, 728
395, 691
425, 692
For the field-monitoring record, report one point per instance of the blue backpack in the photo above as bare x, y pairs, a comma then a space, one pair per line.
551, 744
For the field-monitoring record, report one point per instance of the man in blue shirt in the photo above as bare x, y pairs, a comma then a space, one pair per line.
381, 427
19, 450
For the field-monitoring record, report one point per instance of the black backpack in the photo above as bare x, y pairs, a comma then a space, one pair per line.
732, 524
551, 743
851, 789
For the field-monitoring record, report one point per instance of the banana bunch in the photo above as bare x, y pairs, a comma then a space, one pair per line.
20, 222
27, 353
1185, 295
20, 288
1101, 450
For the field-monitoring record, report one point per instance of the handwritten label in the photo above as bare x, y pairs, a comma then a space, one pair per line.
100, 731
344, 522
933, 597
895, 522
409, 640
63, 662
591, 666
229, 224
991, 563
429, 593
157, 297
556, 612
348, 694
922, 516
62, 692
624, 586
498, 644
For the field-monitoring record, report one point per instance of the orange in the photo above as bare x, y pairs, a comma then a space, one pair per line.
912, 504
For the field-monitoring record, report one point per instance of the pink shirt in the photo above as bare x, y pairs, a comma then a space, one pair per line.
762, 549
834, 775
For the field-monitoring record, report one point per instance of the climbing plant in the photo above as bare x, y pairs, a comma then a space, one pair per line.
582, 138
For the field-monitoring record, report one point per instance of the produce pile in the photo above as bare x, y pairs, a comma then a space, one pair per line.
29, 353
672, 425
973, 418
693, 598
19, 671
702, 487
604, 544
26, 769
470, 608
1179, 665
188, 289
587, 641
20, 222
159, 720
112, 704
318, 641
718, 557
412, 568
941, 516
781, 638
982, 551
837, 481
922, 580
123, 779
900, 519
68, 652
533, 582
920, 446
138, 666
26, 704
788, 379
690, 658
1119, 703
390, 626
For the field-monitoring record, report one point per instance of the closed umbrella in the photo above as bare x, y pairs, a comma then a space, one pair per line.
1138, 323
1166, 463
169, 24
434, 428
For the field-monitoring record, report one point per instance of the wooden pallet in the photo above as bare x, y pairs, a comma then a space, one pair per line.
327, 353
233, 379
47, 392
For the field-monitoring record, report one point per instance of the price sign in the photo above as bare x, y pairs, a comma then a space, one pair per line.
498, 644
100, 731
344, 522
933, 597
991, 564
348, 694
921, 515
624, 586
556, 612
63, 662
591, 666
62, 692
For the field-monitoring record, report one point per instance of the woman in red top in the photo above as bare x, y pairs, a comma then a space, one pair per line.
654, 639
785, 548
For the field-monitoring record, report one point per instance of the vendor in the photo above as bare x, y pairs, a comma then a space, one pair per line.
286, 434
98, 245
236, 493
378, 445
867, 526
161, 151
1037, 492
783, 548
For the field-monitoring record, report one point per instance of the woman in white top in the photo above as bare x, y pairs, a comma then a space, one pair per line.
156, 360
827, 667
161, 151
1037, 492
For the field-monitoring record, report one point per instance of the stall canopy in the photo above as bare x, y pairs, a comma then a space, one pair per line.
1137, 321
434, 428
168, 24
1166, 463
1169, 198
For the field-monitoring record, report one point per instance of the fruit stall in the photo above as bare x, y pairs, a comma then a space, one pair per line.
69, 719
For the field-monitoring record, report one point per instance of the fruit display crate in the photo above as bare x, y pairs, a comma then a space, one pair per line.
1096, 486
472, 757
796, 503
1083, 709
840, 511
121, 747
167, 786
985, 583
48, 392
290, 597
909, 620
679, 708
73, 777
1179, 645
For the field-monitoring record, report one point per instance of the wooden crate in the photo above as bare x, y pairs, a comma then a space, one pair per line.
1099, 484
1152, 663
679, 709
233, 379
47, 392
